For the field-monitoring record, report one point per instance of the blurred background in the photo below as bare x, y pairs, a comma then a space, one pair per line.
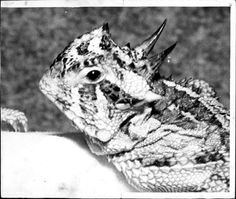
32, 37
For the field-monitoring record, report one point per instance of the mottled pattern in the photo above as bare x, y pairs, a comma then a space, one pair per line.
164, 135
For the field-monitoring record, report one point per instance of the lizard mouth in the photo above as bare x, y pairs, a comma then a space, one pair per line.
127, 120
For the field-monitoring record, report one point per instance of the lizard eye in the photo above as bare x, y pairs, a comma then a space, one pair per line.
93, 75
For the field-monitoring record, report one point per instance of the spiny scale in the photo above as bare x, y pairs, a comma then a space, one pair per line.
157, 60
145, 48
162, 134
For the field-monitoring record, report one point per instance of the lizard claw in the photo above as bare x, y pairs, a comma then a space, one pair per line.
16, 119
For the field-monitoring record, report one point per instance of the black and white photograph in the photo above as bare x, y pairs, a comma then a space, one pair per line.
124, 99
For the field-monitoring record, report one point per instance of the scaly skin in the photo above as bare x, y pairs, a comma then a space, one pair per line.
162, 134
16, 119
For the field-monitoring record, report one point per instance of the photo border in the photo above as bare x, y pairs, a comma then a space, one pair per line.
161, 3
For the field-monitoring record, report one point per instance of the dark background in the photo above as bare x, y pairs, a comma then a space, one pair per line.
32, 37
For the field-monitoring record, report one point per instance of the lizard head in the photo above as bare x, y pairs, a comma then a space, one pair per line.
98, 85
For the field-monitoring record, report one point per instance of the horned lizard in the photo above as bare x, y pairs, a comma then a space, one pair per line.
163, 135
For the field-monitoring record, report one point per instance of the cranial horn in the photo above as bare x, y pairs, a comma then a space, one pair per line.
145, 48
101, 30
158, 59
105, 27
128, 45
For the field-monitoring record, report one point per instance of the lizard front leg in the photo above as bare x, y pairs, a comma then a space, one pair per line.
16, 119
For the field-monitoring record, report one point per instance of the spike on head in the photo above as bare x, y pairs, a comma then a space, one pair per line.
105, 27
128, 45
157, 60
168, 50
145, 47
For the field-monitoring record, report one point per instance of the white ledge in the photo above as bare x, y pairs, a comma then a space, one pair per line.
36, 164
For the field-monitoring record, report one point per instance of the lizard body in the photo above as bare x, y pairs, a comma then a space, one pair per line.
163, 135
